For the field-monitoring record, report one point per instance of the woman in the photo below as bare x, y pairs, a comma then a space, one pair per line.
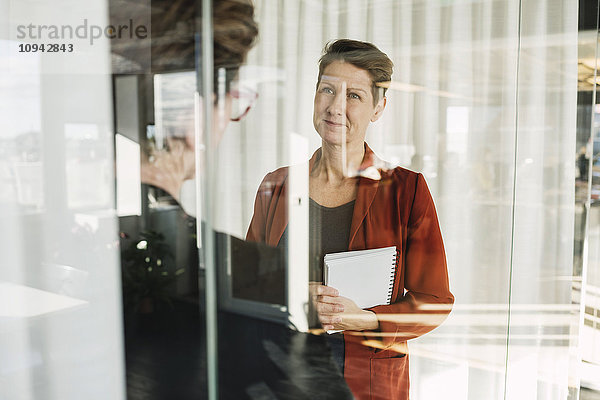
173, 169
354, 205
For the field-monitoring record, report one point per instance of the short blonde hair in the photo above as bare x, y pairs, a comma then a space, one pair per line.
362, 55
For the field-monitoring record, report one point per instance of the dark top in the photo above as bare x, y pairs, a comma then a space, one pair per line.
329, 232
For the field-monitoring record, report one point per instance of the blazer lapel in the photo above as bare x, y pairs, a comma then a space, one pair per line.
367, 188
280, 212
280, 216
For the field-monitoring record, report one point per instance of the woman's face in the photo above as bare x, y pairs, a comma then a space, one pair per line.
344, 104
220, 119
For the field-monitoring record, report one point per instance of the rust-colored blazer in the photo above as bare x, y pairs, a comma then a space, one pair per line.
395, 210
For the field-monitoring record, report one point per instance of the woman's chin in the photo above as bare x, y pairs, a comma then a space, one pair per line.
336, 140
332, 137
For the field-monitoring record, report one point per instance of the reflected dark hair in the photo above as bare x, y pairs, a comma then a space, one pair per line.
234, 31
234, 34
363, 55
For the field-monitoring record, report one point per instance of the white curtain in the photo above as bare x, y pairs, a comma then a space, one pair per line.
60, 291
484, 104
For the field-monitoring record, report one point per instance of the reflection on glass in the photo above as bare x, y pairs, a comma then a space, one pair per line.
481, 104
243, 98
20, 153
168, 158
86, 166
127, 154
61, 325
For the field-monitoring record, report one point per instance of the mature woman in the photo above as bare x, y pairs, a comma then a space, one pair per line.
355, 204
173, 169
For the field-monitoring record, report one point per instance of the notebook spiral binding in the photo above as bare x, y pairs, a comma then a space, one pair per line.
393, 276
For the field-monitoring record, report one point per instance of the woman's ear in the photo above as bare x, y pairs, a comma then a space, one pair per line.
379, 109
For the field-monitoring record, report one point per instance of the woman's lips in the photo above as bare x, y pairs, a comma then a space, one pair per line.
331, 123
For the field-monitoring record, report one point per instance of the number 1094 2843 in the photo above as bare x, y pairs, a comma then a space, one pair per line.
45, 48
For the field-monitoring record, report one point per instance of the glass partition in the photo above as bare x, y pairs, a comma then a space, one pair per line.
265, 199
470, 165
542, 311
481, 104
60, 300
586, 201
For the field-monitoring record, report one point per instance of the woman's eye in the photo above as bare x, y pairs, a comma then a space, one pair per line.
354, 96
327, 90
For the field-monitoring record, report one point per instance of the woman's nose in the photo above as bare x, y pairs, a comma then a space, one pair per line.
338, 104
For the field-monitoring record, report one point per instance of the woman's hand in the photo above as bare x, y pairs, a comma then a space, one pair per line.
167, 169
337, 312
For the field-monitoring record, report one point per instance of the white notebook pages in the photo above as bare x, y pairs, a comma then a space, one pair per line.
364, 276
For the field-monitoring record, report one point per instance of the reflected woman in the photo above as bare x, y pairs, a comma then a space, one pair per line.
357, 203
173, 169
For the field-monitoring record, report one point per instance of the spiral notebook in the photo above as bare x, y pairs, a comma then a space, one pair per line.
364, 276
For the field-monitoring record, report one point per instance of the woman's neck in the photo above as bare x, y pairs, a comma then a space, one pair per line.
335, 161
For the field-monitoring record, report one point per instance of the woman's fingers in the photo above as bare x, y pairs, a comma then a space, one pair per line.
318, 292
329, 307
323, 290
175, 146
328, 310
328, 299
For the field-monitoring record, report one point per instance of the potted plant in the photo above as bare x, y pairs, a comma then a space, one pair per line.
145, 268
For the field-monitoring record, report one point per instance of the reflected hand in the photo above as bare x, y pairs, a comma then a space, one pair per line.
167, 169
337, 312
